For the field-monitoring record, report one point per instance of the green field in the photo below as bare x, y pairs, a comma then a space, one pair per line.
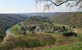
74, 46
16, 29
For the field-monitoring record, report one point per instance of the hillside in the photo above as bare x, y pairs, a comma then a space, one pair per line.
47, 14
33, 24
7, 20
72, 19
40, 32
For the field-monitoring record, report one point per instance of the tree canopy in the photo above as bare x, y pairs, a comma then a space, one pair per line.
70, 3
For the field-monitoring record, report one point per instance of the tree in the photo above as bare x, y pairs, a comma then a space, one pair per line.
49, 3
63, 29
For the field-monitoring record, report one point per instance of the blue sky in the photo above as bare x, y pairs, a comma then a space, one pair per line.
26, 6
19, 6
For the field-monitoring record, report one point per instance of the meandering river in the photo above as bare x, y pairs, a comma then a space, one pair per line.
8, 31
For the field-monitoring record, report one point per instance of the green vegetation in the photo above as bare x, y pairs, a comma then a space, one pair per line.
74, 46
8, 20
61, 39
72, 19
32, 24
10, 41
16, 29
59, 36
35, 40
41, 32
32, 40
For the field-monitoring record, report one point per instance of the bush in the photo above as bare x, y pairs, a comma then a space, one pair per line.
36, 40
9, 42
69, 34
29, 41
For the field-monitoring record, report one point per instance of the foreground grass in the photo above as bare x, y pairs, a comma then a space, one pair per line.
32, 40
74, 46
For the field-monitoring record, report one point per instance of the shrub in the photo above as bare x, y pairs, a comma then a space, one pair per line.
29, 41
69, 34
63, 29
36, 40
10, 41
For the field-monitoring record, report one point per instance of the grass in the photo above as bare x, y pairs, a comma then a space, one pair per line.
58, 37
74, 46
60, 25
16, 29
32, 40
56, 24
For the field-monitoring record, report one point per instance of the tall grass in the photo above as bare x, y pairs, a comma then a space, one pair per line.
36, 40
29, 41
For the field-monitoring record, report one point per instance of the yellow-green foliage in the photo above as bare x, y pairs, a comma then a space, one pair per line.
10, 41
36, 40
29, 41
75, 46
72, 19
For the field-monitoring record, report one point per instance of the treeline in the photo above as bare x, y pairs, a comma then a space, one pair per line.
72, 19
7, 20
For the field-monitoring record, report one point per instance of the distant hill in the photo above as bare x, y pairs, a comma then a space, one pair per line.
72, 18
38, 14
7, 20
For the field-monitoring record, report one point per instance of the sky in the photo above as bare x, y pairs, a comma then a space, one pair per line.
28, 6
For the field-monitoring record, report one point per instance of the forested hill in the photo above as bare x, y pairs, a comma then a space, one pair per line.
72, 19
7, 20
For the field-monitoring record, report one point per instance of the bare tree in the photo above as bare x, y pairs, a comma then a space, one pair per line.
70, 3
